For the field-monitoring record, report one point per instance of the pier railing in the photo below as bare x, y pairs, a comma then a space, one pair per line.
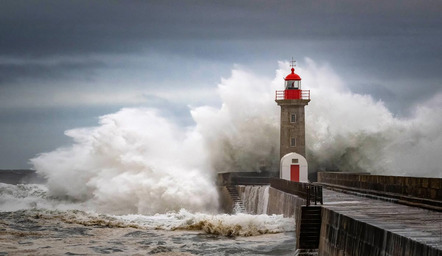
244, 178
311, 193
415, 191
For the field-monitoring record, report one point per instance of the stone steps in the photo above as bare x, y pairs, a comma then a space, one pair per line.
238, 204
310, 227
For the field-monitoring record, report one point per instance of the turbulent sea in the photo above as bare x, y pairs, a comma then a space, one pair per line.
141, 183
34, 223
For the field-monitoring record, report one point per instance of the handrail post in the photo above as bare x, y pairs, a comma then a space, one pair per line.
314, 190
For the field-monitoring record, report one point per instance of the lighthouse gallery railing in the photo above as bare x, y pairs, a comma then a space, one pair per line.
292, 95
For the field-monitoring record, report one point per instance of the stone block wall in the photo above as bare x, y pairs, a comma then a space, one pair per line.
427, 188
279, 202
342, 235
226, 203
284, 203
291, 129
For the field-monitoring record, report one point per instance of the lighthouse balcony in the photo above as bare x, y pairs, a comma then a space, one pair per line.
292, 95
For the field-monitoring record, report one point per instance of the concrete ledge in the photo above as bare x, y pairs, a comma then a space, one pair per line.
343, 235
306, 252
389, 197
429, 190
284, 203
244, 178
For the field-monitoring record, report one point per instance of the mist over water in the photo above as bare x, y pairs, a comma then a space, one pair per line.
137, 161
134, 162
353, 132
243, 134
344, 130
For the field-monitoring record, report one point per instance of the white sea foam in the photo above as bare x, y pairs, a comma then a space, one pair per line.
255, 198
34, 201
19, 197
221, 224
344, 130
354, 132
137, 161
34, 196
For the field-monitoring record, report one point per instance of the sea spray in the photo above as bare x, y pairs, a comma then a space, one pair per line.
22, 196
134, 162
254, 198
137, 161
32, 201
242, 134
344, 130
34, 196
352, 132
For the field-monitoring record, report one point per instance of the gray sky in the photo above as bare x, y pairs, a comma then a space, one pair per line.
64, 63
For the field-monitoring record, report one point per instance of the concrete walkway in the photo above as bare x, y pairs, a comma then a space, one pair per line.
424, 226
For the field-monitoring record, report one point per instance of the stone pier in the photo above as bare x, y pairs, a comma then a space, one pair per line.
363, 215
355, 225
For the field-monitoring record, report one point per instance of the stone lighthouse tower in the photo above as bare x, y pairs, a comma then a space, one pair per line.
292, 101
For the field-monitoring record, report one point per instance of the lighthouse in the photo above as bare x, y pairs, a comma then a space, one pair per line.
292, 101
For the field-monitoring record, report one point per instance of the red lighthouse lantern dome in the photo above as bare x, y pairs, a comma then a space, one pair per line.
292, 90
293, 81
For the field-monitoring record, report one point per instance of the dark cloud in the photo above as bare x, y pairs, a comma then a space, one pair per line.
367, 33
388, 49
17, 72
72, 27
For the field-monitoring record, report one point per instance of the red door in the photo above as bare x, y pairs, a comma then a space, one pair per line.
294, 172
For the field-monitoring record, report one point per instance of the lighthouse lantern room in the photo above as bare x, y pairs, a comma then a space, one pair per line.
292, 101
293, 88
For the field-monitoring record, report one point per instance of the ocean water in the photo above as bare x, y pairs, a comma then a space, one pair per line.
141, 183
34, 223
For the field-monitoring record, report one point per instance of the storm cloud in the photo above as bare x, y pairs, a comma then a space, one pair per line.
61, 57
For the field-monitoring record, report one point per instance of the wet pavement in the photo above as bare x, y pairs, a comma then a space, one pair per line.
418, 224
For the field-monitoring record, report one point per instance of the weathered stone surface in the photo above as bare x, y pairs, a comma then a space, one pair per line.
353, 225
283, 203
292, 129
226, 203
427, 188
308, 227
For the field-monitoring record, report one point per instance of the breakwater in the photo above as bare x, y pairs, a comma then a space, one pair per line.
262, 199
355, 225
268, 200
415, 191
419, 187
361, 215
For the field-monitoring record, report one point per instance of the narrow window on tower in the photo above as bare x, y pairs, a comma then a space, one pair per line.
293, 118
292, 142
